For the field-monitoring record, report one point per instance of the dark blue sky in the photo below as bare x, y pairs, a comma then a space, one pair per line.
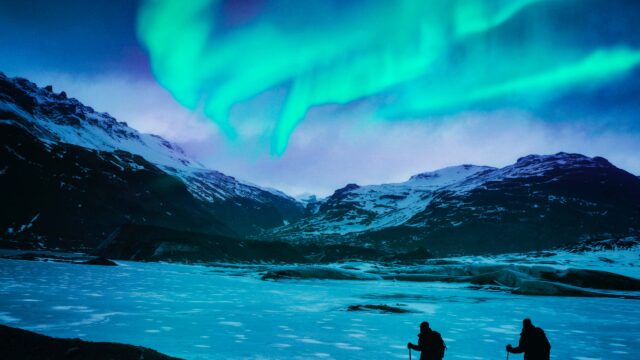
71, 36
82, 36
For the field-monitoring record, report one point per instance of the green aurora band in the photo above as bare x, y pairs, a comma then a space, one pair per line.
423, 57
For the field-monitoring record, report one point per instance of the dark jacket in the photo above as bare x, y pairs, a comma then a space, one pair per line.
534, 344
430, 345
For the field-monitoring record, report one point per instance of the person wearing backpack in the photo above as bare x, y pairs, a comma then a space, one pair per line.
430, 344
533, 343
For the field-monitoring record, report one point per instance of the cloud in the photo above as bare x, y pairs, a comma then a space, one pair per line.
140, 102
354, 149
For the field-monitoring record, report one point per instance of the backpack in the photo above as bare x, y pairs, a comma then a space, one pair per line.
437, 345
544, 342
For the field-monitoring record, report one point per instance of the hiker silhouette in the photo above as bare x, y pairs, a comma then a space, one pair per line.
533, 343
430, 344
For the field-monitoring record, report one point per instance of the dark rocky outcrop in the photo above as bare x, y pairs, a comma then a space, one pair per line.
386, 309
316, 273
102, 261
18, 344
61, 258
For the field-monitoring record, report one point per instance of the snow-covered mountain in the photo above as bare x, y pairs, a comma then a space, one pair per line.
62, 124
356, 208
55, 118
541, 201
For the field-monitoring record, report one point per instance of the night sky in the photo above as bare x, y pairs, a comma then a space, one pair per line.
306, 96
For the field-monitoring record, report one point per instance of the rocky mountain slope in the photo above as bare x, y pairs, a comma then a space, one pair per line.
71, 176
540, 202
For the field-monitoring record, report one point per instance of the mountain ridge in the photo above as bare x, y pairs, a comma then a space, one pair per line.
58, 118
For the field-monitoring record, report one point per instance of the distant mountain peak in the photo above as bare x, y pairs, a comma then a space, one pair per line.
346, 188
562, 159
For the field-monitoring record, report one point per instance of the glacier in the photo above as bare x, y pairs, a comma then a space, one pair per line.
225, 311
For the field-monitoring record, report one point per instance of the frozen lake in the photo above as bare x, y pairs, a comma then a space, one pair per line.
198, 312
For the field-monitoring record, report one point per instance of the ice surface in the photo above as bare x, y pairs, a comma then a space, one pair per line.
224, 312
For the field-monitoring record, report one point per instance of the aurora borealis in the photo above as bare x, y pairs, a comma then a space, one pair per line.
419, 57
307, 96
